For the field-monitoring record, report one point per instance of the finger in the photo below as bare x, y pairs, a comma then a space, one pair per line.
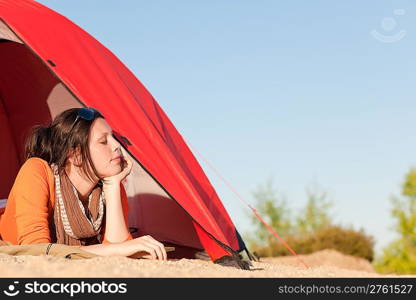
157, 244
124, 166
127, 162
165, 255
163, 250
150, 250
153, 253
124, 154
156, 248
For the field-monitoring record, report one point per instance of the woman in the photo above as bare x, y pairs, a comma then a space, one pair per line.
69, 190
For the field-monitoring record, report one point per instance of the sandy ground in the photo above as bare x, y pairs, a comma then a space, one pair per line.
327, 263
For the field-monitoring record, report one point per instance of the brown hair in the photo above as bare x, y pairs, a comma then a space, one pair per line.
53, 143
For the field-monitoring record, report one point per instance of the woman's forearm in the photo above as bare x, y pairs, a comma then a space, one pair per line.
101, 249
115, 225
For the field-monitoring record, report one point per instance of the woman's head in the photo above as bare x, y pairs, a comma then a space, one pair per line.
80, 138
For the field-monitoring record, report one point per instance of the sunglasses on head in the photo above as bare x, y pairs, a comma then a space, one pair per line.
86, 113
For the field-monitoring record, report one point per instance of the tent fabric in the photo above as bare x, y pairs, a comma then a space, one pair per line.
7, 34
65, 59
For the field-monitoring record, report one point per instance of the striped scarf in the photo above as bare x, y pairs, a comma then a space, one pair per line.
74, 224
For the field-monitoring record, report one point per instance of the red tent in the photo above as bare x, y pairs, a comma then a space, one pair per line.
49, 64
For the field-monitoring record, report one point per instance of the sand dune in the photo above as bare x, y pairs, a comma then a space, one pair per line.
327, 263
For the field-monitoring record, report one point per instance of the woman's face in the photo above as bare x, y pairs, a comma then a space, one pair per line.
104, 149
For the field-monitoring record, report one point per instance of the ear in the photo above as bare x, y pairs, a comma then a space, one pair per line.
75, 156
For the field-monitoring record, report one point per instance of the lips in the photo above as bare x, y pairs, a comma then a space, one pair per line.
116, 158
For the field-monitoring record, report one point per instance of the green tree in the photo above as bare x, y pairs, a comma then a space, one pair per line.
272, 206
400, 255
311, 230
315, 215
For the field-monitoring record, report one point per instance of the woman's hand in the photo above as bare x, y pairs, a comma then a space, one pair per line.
126, 165
142, 247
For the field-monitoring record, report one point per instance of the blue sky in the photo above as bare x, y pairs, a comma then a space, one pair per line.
306, 92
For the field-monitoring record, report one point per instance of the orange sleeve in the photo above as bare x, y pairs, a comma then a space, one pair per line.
125, 206
31, 198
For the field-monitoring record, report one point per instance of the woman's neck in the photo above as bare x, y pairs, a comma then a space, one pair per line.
82, 184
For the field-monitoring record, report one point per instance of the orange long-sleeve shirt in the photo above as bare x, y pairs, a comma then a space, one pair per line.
28, 215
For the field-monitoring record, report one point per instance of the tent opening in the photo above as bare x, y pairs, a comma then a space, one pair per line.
30, 94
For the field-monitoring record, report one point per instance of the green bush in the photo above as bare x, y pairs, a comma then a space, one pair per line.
400, 255
345, 240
